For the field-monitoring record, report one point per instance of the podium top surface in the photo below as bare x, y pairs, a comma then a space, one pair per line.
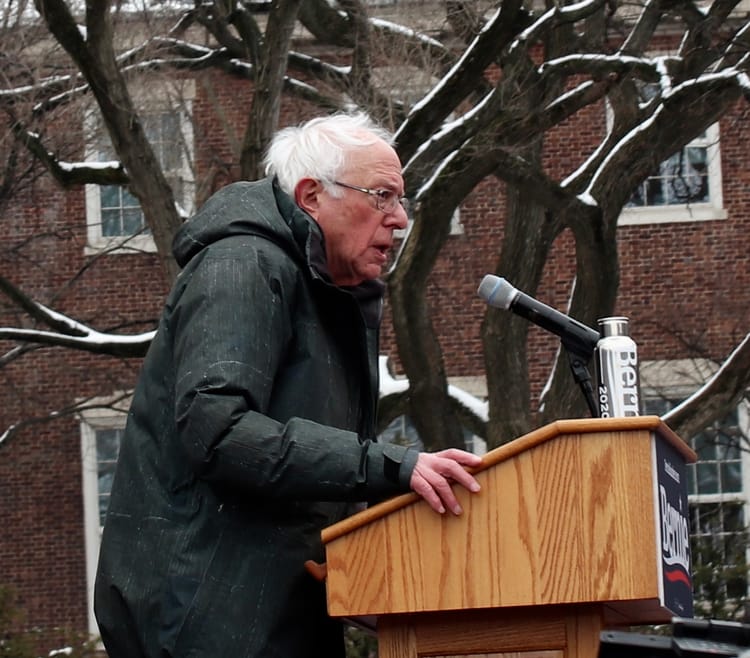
513, 448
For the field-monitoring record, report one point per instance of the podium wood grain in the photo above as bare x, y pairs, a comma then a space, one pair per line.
561, 539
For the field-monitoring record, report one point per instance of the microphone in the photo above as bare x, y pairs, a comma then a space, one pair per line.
576, 337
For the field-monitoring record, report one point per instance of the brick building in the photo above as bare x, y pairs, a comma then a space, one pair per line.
685, 287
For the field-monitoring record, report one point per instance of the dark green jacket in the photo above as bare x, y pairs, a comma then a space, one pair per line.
251, 429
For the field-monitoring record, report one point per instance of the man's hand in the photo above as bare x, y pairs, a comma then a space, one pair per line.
435, 472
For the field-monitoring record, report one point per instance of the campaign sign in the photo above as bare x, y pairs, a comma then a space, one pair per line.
673, 529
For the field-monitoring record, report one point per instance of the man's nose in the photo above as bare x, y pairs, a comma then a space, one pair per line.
398, 219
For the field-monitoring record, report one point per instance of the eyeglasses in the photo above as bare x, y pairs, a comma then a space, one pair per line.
385, 200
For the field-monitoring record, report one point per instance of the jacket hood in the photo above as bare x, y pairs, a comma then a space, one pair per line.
252, 208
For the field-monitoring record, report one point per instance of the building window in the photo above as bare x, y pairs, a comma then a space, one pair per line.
718, 513
120, 213
101, 432
107, 449
719, 547
114, 217
717, 494
719, 467
681, 179
687, 187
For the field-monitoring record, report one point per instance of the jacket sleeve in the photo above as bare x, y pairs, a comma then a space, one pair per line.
230, 328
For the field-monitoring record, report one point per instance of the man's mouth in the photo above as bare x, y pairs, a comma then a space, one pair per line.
383, 250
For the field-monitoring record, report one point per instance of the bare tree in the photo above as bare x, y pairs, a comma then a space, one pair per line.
504, 76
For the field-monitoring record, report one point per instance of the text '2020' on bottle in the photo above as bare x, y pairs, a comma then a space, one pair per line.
617, 370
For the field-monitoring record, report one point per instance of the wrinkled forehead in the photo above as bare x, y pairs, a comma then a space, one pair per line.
377, 158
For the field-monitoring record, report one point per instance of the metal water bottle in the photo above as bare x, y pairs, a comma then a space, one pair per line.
617, 370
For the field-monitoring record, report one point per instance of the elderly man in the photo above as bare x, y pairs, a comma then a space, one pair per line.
252, 426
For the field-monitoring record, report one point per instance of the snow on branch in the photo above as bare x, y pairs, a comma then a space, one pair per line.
554, 16
671, 96
389, 26
67, 332
91, 341
646, 68
725, 388
54, 82
69, 174
189, 56
455, 70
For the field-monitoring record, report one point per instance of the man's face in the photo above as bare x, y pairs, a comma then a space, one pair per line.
358, 235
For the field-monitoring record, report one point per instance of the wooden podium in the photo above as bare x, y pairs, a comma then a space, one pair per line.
570, 534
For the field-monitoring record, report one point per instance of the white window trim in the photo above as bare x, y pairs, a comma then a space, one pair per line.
92, 420
688, 212
96, 243
704, 212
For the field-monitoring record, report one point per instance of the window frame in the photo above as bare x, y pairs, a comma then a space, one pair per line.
151, 99
103, 413
693, 211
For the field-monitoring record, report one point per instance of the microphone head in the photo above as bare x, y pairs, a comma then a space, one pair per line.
496, 291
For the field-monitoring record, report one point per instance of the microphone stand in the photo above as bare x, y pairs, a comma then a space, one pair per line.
578, 366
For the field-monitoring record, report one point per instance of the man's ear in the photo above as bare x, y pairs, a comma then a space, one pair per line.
307, 195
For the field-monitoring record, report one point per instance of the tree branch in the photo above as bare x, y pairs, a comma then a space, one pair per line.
92, 341
73, 409
67, 332
709, 403
459, 82
69, 174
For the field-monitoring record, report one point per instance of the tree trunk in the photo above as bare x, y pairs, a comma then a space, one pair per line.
96, 59
419, 349
269, 83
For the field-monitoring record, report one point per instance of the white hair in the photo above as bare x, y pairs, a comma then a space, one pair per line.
319, 148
